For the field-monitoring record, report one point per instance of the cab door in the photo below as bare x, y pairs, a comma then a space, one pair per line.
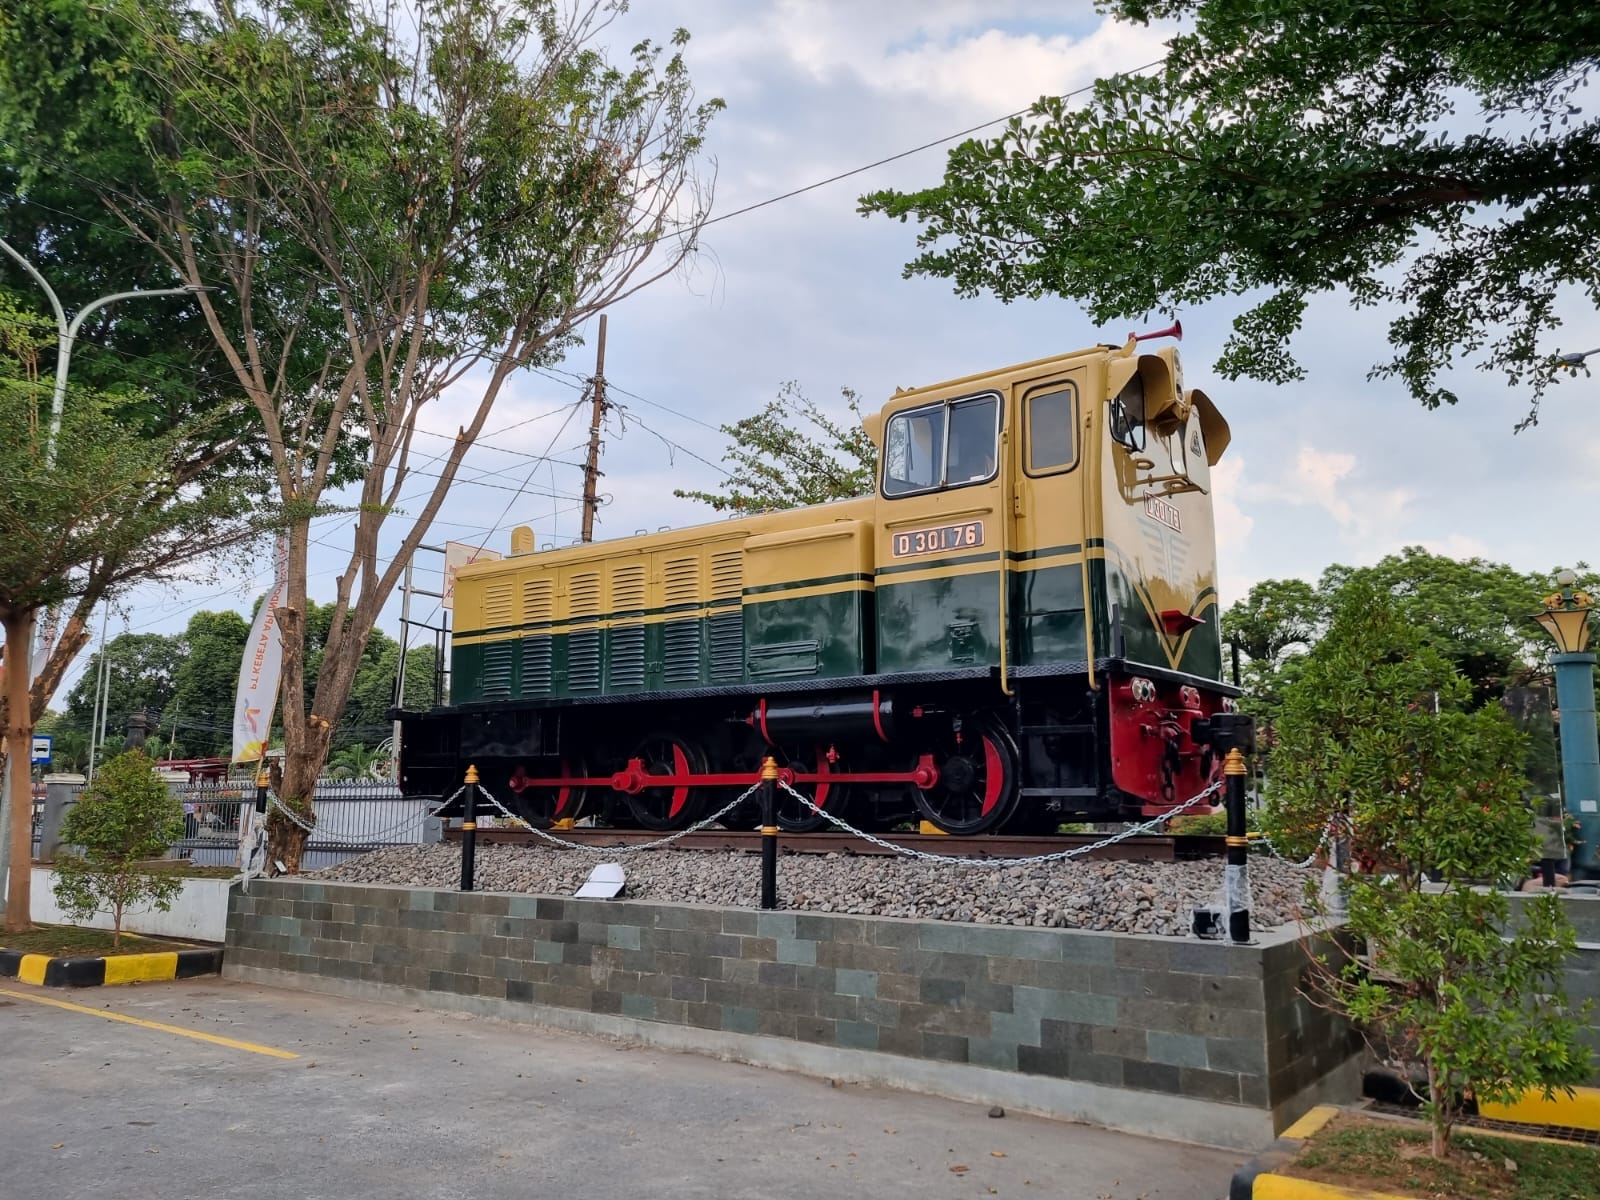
1046, 608
940, 529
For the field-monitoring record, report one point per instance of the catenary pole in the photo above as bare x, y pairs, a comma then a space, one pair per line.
591, 467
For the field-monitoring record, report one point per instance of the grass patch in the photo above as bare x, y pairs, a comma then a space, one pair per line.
67, 941
179, 866
1392, 1157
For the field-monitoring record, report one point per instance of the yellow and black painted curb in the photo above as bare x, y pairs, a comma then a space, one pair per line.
1258, 1180
97, 970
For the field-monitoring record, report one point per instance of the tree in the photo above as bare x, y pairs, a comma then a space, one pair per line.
204, 684
1379, 743
459, 185
125, 818
1432, 157
141, 673
113, 508
792, 453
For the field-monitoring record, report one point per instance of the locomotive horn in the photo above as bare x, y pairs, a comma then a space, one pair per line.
1173, 331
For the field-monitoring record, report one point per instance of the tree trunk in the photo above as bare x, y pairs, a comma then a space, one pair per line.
19, 745
116, 926
1440, 1111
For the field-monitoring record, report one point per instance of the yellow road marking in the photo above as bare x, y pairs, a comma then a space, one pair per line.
214, 1039
1311, 1122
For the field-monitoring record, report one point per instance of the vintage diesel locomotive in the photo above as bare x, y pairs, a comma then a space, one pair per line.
1019, 627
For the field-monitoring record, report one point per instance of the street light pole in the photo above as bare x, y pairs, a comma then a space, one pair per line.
67, 335
1566, 619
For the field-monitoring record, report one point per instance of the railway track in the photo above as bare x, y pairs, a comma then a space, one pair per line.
1146, 848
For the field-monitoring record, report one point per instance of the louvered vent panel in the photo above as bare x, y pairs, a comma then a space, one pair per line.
583, 661
497, 670
627, 589
538, 600
727, 575
583, 649
681, 581
625, 666
538, 661
725, 626
680, 651
583, 594
499, 604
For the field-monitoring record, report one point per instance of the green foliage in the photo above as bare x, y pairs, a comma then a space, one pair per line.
125, 818
1429, 156
1472, 611
1379, 742
792, 453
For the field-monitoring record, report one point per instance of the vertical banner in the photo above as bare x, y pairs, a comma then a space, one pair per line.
263, 663
456, 556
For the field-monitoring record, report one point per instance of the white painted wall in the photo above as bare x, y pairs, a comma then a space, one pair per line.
199, 912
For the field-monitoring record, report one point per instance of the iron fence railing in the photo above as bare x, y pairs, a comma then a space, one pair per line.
352, 817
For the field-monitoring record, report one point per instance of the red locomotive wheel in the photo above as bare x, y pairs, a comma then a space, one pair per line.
543, 804
977, 789
667, 808
795, 817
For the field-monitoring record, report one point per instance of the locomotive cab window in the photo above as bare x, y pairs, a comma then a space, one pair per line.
1049, 423
941, 445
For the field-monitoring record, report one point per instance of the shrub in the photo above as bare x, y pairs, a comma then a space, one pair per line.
125, 818
1377, 741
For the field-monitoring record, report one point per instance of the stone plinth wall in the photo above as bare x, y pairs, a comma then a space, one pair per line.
1185, 1038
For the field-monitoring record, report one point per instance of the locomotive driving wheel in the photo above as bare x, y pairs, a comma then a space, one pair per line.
796, 817
670, 807
541, 804
977, 789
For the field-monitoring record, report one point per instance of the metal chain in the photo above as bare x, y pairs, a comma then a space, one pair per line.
366, 837
608, 851
1075, 852
1322, 843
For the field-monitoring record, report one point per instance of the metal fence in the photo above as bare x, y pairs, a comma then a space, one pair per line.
353, 816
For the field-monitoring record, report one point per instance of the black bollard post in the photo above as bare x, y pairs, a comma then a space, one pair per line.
769, 833
469, 828
1238, 843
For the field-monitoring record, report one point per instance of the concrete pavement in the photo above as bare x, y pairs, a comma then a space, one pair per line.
384, 1101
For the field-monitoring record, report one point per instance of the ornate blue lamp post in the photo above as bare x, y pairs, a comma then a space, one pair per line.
1566, 619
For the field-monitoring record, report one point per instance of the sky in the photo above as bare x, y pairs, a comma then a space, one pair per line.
1330, 469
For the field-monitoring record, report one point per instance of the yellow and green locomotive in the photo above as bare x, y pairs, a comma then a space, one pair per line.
1019, 627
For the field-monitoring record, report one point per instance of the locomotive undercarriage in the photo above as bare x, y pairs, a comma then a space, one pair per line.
958, 754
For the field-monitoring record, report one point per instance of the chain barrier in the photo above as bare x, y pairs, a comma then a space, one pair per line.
366, 837
609, 851
1322, 844
1059, 855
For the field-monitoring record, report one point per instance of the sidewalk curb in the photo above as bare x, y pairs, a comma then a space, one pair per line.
97, 970
1257, 1180
1581, 1110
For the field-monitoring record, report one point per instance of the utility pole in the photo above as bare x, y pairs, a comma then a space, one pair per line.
591, 469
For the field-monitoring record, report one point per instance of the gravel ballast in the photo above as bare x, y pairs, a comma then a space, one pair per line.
1117, 896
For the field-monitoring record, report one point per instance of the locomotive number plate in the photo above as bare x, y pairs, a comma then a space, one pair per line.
934, 541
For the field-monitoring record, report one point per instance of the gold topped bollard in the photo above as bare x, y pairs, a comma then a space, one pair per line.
469, 827
769, 832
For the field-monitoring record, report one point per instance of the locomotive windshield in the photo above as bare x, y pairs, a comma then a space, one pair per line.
942, 445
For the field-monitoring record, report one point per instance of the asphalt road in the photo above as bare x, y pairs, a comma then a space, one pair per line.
329, 1098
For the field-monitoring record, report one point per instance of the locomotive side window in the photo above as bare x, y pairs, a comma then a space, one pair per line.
914, 451
942, 445
1049, 421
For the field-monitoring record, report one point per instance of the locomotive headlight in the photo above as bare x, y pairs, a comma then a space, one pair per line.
1141, 689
